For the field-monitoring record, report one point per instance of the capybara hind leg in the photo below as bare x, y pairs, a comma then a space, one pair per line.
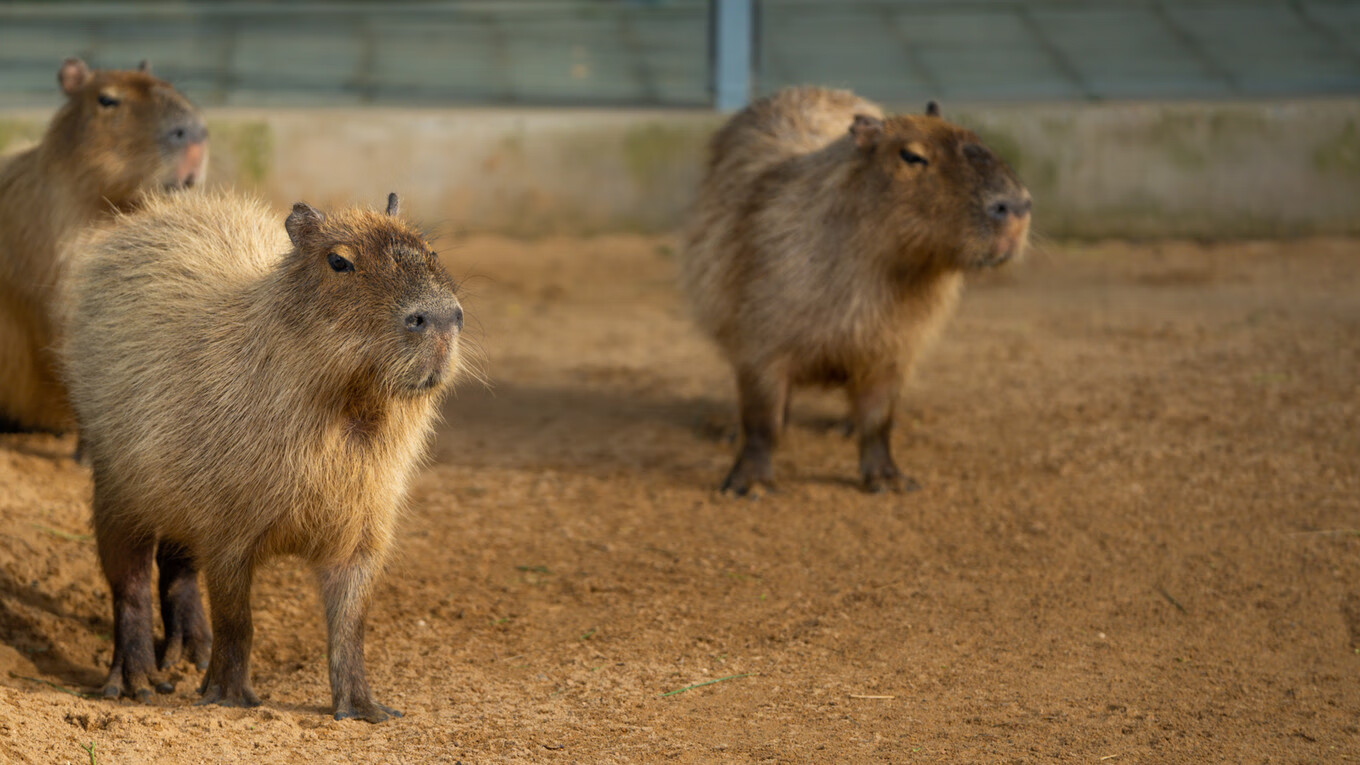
872, 402
344, 590
126, 560
227, 681
763, 395
186, 628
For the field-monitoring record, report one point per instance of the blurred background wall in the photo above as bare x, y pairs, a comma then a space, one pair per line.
1127, 117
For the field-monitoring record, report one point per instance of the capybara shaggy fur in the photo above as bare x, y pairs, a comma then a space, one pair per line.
827, 247
246, 390
119, 134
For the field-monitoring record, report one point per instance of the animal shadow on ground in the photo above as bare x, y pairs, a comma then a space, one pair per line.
600, 432
596, 432
27, 636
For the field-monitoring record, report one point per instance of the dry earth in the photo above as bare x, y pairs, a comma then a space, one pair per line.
1138, 540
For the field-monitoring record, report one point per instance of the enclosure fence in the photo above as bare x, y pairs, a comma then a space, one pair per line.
692, 53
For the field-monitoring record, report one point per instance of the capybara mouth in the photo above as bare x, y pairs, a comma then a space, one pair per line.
429, 377
179, 185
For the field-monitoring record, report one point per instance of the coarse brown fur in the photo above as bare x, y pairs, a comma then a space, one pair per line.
246, 392
827, 247
119, 134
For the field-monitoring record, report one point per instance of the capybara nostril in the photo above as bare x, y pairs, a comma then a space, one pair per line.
437, 319
188, 132
1004, 208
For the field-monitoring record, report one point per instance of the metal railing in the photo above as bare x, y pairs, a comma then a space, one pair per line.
687, 53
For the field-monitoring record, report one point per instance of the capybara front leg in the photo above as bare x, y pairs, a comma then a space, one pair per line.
344, 590
763, 395
126, 559
227, 681
872, 403
186, 628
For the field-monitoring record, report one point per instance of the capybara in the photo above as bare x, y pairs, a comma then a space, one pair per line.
119, 134
827, 247
246, 390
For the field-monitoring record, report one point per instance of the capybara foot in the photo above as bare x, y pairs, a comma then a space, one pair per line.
748, 476
235, 697
886, 477
132, 682
368, 711
187, 641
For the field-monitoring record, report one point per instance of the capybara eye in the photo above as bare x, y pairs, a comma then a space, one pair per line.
912, 158
108, 101
339, 264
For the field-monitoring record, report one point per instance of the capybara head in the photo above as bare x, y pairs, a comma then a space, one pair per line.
941, 191
129, 131
388, 307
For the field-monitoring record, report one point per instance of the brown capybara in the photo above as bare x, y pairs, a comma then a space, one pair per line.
827, 247
247, 390
119, 134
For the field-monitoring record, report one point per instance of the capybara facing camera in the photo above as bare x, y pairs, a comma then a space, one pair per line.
827, 247
119, 135
247, 390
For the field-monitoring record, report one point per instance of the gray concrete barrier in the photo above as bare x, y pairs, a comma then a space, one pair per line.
1128, 170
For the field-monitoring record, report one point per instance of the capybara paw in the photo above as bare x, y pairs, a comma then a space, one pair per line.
195, 648
888, 478
747, 479
133, 684
370, 711
216, 694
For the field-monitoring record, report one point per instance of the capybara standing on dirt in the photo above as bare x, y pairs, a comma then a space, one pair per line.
249, 393
827, 247
118, 135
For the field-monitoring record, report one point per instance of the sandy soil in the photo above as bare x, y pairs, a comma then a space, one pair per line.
1138, 540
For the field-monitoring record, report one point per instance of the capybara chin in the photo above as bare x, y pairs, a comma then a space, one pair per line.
119, 135
248, 387
827, 247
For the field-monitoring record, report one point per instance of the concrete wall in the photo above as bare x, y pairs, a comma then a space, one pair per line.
1136, 170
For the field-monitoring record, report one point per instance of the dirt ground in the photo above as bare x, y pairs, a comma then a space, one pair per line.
1137, 540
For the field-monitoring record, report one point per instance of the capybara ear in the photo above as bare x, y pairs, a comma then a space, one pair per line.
866, 130
144, 66
303, 223
932, 109
72, 75
393, 204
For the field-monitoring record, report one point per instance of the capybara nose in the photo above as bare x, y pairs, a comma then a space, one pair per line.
1005, 207
186, 133
435, 319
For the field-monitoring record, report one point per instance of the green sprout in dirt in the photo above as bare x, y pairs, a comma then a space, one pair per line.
90, 750
706, 682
